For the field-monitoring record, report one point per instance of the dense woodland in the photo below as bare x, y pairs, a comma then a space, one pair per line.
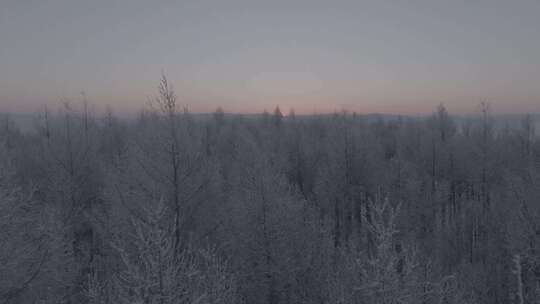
173, 207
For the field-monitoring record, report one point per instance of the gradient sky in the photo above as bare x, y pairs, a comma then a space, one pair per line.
365, 56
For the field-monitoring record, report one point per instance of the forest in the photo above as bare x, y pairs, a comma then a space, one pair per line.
174, 207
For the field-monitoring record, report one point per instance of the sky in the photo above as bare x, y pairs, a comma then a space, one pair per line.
402, 57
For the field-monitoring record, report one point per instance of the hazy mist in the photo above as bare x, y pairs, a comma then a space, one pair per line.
247, 56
